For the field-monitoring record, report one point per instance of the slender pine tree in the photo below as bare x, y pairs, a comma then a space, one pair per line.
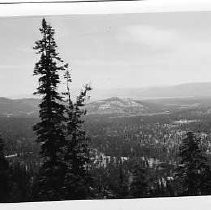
77, 179
193, 173
50, 129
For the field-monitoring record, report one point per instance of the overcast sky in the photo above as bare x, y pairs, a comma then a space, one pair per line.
111, 51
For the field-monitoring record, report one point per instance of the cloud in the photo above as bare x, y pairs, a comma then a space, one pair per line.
150, 36
105, 63
167, 47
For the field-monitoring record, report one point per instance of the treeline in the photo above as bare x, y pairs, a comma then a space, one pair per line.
68, 168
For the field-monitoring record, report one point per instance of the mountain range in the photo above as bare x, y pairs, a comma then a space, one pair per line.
128, 102
29, 107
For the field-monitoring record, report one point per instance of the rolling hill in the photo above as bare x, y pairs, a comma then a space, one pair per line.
18, 107
127, 106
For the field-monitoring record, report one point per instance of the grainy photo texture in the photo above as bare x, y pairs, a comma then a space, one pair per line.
105, 106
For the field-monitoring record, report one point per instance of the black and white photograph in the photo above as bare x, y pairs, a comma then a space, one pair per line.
105, 106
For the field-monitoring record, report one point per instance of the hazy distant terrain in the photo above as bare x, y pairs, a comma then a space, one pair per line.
18, 107
128, 102
114, 105
183, 90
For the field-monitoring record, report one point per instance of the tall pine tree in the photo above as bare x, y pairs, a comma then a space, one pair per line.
50, 129
193, 173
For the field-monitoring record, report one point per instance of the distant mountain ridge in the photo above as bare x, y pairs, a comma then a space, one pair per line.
182, 90
128, 102
175, 91
29, 107
18, 107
